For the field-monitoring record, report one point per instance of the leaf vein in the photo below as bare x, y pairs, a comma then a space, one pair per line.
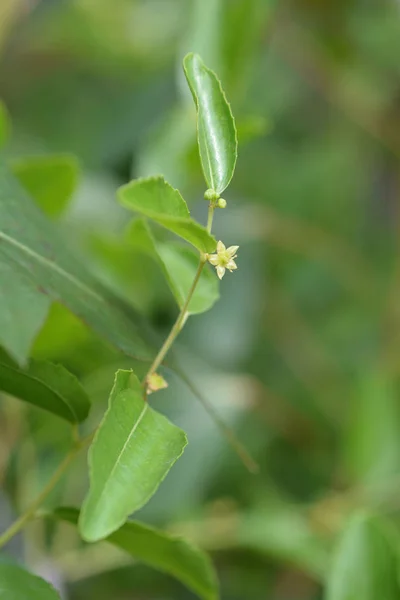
123, 449
51, 264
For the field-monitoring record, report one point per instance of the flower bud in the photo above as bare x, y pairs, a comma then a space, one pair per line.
155, 382
221, 203
211, 195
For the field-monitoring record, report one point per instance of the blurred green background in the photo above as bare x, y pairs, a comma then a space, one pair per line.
301, 354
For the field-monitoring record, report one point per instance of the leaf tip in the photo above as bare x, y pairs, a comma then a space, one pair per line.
188, 57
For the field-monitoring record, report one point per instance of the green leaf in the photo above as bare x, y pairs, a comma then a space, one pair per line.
18, 584
139, 236
5, 125
51, 180
156, 199
45, 385
133, 450
164, 552
216, 130
37, 267
23, 308
366, 562
179, 264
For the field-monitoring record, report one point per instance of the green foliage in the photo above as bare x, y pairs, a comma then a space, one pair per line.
50, 180
366, 562
37, 267
23, 307
134, 446
161, 551
216, 132
133, 450
45, 385
299, 359
157, 200
18, 584
179, 265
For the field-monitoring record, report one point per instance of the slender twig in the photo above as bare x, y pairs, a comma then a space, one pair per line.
29, 513
183, 314
31, 510
229, 434
176, 328
210, 217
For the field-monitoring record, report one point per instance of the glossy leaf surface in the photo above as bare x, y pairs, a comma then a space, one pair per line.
216, 130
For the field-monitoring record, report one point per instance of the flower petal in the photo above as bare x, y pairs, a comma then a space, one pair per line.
220, 271
232, 250
220, 247
213, 259
231, 265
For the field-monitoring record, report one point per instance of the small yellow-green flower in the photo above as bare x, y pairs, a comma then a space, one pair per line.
224, 259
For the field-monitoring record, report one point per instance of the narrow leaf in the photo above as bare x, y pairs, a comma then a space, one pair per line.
51, 180
164, 552
156, 199
366, 562
18, 584
36, 267
179, 264
46, 386
216, 132
23, 307
133, 450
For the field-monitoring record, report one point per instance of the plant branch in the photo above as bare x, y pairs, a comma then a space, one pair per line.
176, 328
210, 217
183, 315
31, 510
